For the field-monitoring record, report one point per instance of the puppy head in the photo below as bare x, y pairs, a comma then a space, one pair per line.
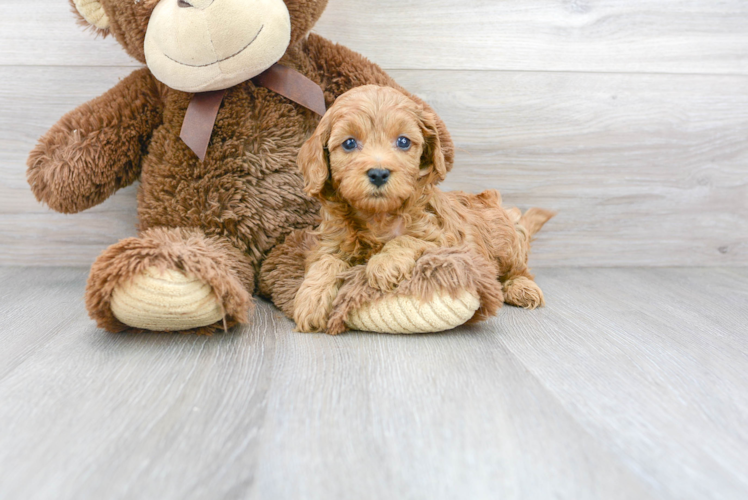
374, 149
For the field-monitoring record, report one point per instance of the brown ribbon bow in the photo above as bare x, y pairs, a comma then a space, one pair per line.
202, 112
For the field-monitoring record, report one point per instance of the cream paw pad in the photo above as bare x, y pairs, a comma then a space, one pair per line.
407, 314
166, 301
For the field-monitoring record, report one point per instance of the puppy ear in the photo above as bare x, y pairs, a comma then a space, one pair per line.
432, 159
314, 158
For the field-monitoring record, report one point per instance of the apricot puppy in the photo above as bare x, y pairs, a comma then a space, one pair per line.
374, 162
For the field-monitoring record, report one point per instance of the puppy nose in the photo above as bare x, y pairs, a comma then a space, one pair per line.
378, 176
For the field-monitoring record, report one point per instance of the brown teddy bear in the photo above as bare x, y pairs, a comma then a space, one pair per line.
209, 212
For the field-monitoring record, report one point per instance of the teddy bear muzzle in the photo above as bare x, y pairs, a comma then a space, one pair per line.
203, 45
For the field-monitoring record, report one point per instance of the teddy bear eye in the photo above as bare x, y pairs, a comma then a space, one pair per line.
403, 143
350, 144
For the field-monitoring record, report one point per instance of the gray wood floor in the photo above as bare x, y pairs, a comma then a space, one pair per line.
632, 383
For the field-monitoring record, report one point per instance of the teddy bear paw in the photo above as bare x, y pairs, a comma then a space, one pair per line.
405, 314
166, 300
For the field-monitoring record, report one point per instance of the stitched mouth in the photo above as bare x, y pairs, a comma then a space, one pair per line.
220, 60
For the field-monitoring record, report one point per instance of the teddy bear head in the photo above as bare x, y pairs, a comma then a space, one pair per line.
202, 45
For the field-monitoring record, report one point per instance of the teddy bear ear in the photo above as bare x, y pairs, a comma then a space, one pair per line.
93, 13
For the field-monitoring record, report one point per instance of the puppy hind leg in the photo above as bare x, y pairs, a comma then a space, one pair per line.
522, 291
519, 288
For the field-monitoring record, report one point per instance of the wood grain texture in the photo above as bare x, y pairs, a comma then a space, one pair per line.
678, 36
22, 299
631, 383
643, 169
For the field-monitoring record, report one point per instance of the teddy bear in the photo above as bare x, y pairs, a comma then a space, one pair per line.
211, 127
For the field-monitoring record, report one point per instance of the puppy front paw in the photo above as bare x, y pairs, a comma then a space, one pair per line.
384, 271
310, 318
312, 308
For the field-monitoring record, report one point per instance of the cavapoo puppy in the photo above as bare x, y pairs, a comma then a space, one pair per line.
374, 162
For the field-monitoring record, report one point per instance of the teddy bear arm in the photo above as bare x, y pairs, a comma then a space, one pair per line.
97, 148
342, 69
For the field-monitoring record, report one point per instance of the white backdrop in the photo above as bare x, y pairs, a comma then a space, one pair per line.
629, 117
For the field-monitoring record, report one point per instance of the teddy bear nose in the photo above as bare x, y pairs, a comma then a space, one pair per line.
199, 4
378, 176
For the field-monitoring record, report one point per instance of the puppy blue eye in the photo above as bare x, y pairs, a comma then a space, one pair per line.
403, 143
350, 144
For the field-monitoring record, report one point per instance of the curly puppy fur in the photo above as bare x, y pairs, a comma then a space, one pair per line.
387, 224
244, 199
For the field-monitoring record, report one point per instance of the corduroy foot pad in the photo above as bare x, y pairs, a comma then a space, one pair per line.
165, 301
398, 314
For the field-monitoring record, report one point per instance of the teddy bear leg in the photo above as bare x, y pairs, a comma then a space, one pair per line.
283, 270
170, 279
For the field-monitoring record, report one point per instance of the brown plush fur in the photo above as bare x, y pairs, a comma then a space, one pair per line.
388, 228
244, 198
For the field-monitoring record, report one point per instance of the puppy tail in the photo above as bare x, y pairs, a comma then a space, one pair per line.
534, 219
